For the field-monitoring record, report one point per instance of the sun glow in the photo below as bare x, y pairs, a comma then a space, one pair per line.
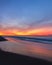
1, 33
40, 31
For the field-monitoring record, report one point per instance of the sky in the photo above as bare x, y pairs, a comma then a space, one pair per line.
25, 17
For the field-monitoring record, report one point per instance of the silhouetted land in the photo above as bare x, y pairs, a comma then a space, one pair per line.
7, 58
2, 38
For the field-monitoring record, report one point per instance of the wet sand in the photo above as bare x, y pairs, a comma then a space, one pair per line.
7, 58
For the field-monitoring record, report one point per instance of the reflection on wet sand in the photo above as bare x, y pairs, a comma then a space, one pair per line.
28, 48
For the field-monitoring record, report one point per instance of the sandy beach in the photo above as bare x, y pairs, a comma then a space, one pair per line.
38, 50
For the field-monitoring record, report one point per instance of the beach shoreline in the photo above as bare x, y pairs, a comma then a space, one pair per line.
21, 49
8, 58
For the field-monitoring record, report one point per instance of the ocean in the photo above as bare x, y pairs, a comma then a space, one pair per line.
40, 47
46, 40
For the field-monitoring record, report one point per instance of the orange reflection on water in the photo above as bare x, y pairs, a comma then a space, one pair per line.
35, 49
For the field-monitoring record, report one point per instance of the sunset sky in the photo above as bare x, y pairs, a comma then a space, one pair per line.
25, 17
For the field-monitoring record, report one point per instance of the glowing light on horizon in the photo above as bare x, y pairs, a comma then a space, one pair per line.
1, 33
40, 31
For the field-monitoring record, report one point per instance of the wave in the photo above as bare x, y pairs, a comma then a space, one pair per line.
34, 39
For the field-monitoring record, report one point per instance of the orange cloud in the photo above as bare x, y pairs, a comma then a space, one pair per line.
40, 31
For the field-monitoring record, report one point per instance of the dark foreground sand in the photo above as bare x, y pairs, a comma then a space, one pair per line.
7, 58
